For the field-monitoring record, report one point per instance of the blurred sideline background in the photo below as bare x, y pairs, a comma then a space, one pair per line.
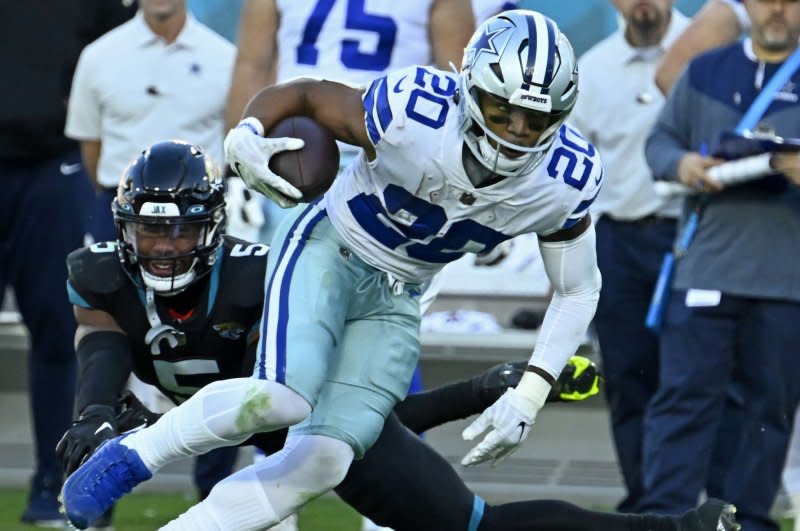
570, 454
584, 21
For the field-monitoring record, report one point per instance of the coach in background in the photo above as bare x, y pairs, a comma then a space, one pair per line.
161, 75
731, 342
636, 227
40, 215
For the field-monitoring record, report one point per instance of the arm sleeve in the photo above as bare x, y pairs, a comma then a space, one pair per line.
571, 267
104, 364
668, 140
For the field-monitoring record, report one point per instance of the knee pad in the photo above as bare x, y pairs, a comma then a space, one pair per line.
328, 460
247, 405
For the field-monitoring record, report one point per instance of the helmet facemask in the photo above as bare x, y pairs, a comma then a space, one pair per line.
169, 252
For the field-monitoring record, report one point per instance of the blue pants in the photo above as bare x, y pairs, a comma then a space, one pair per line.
723, 413
41, 221
629, 256
100, 220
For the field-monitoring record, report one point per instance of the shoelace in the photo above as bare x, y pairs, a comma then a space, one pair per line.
115, 480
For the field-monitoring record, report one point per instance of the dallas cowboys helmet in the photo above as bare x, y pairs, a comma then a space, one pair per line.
519, 56
170, 216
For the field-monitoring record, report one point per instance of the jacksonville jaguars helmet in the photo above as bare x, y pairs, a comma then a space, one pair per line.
519, 56
170, 216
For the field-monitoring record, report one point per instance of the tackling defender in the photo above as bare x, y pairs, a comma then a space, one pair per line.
359, 259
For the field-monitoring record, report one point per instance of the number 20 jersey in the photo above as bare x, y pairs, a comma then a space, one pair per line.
413, 209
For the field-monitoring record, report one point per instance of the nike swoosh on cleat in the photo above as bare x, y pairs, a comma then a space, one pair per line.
521, 427
103, 426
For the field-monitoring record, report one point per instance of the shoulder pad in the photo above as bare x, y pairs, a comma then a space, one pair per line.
95, 271
418, 93
244, 265
582, 171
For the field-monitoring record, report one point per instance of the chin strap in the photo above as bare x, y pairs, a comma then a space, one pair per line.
158, 330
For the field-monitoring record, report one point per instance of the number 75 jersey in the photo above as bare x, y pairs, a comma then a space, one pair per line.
413, 209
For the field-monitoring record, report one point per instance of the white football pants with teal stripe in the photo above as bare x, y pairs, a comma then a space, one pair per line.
335, 332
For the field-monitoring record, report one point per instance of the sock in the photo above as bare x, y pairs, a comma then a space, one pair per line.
266, 492
223, 413
237, 503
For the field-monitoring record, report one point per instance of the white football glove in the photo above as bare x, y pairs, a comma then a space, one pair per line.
510, 419
248, 154
496, 255
245, 216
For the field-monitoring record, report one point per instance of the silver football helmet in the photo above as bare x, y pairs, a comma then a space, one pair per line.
522, 57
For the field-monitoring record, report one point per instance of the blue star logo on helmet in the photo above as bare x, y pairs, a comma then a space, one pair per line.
485, 43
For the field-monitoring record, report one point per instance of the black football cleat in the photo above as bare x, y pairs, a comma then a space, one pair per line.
494, 382
579, 380
713, 515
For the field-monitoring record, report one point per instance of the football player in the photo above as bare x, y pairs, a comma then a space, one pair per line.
451, 163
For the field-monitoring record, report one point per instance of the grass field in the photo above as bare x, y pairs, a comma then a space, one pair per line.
146, 512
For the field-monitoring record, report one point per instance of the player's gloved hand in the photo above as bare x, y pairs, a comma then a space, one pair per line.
248, 153
96, 424
579, 380
510, 420
495, 255
245, 217
133, 414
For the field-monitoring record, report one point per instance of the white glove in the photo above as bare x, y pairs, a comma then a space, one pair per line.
248, 153
245, 216
496, 255
510, 417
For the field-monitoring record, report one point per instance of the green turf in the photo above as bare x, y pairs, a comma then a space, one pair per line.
146, 512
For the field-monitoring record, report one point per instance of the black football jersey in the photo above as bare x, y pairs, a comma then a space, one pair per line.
208, 344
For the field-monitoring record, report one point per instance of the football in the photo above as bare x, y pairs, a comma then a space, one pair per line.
313, 168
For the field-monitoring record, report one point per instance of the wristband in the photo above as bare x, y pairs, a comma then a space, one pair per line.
534, 387
253, 124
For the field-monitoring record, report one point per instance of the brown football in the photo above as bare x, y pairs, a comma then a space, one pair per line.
313, 168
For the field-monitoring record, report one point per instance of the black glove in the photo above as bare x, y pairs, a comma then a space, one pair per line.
94, 425
132, 413
579, 380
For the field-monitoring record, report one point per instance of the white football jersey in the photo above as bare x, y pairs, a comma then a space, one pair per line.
358, 40
413, 209
352, 41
